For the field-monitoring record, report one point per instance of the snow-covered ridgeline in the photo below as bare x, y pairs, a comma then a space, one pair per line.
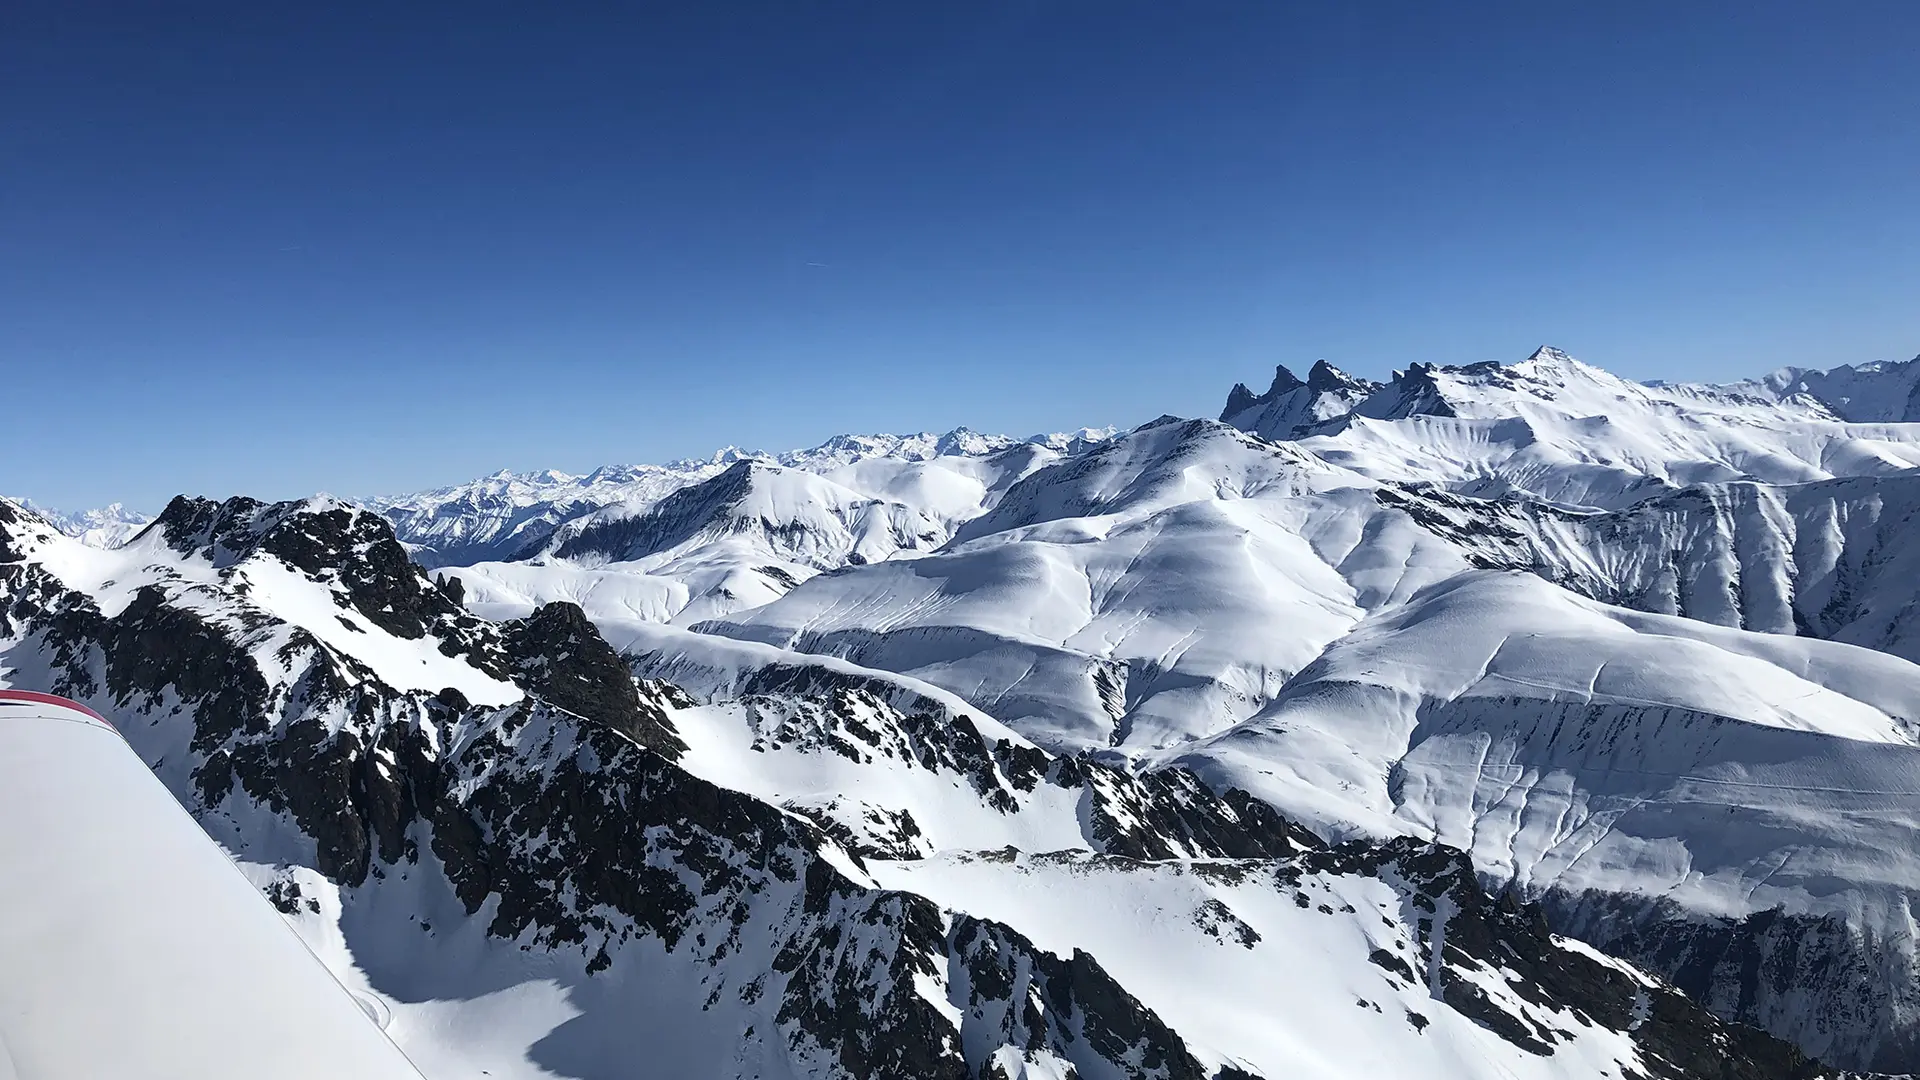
508, 515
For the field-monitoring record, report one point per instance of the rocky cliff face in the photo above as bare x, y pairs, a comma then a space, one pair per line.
1828, 559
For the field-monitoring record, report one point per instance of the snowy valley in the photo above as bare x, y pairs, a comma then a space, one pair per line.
1490, 721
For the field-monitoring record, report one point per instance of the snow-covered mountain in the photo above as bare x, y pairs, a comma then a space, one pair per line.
1178, 595
108, 526
1562, 431
545, 868
1291, 407
511, 515
1162, 596
1878, 392
1336, 737
745, 535
1829, 559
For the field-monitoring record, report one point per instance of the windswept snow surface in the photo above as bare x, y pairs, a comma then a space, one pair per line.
1151, 591
1567, 744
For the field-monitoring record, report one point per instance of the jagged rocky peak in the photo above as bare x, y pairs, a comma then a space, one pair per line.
1417, 391
1239, 400
12, 516
16, 512
324, 539
558, 655
1291, 406
310, 534
1548, 379
1324, 378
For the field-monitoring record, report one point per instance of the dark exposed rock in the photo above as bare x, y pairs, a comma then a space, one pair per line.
1164, 814
1014, 994
866, 1016
9, 516
1815, 979
1170, 813
353, 551
1676, 1036
884, 833
152, 646
557, 654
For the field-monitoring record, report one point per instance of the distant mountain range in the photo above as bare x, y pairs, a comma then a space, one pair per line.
1485, 721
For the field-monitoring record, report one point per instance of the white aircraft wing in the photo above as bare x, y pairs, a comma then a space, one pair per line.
130, 946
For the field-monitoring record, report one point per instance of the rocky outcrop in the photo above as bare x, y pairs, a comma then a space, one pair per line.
1476, 932
558, 656
1832, 986
1022, 1006
1291, 407
672, 521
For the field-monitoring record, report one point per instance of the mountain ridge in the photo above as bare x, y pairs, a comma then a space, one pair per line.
967, 756
447, 858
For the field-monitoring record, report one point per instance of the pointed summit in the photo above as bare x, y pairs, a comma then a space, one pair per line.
1324, 377
1239, 400
1291, 406
1283, 381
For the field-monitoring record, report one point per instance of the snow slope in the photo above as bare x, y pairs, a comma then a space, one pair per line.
1829, 559
1154, 590
1573, 748
1256, 979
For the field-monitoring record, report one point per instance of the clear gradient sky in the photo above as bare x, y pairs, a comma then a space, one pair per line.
279, 248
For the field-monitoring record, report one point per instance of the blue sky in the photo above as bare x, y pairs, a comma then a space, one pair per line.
369, 250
